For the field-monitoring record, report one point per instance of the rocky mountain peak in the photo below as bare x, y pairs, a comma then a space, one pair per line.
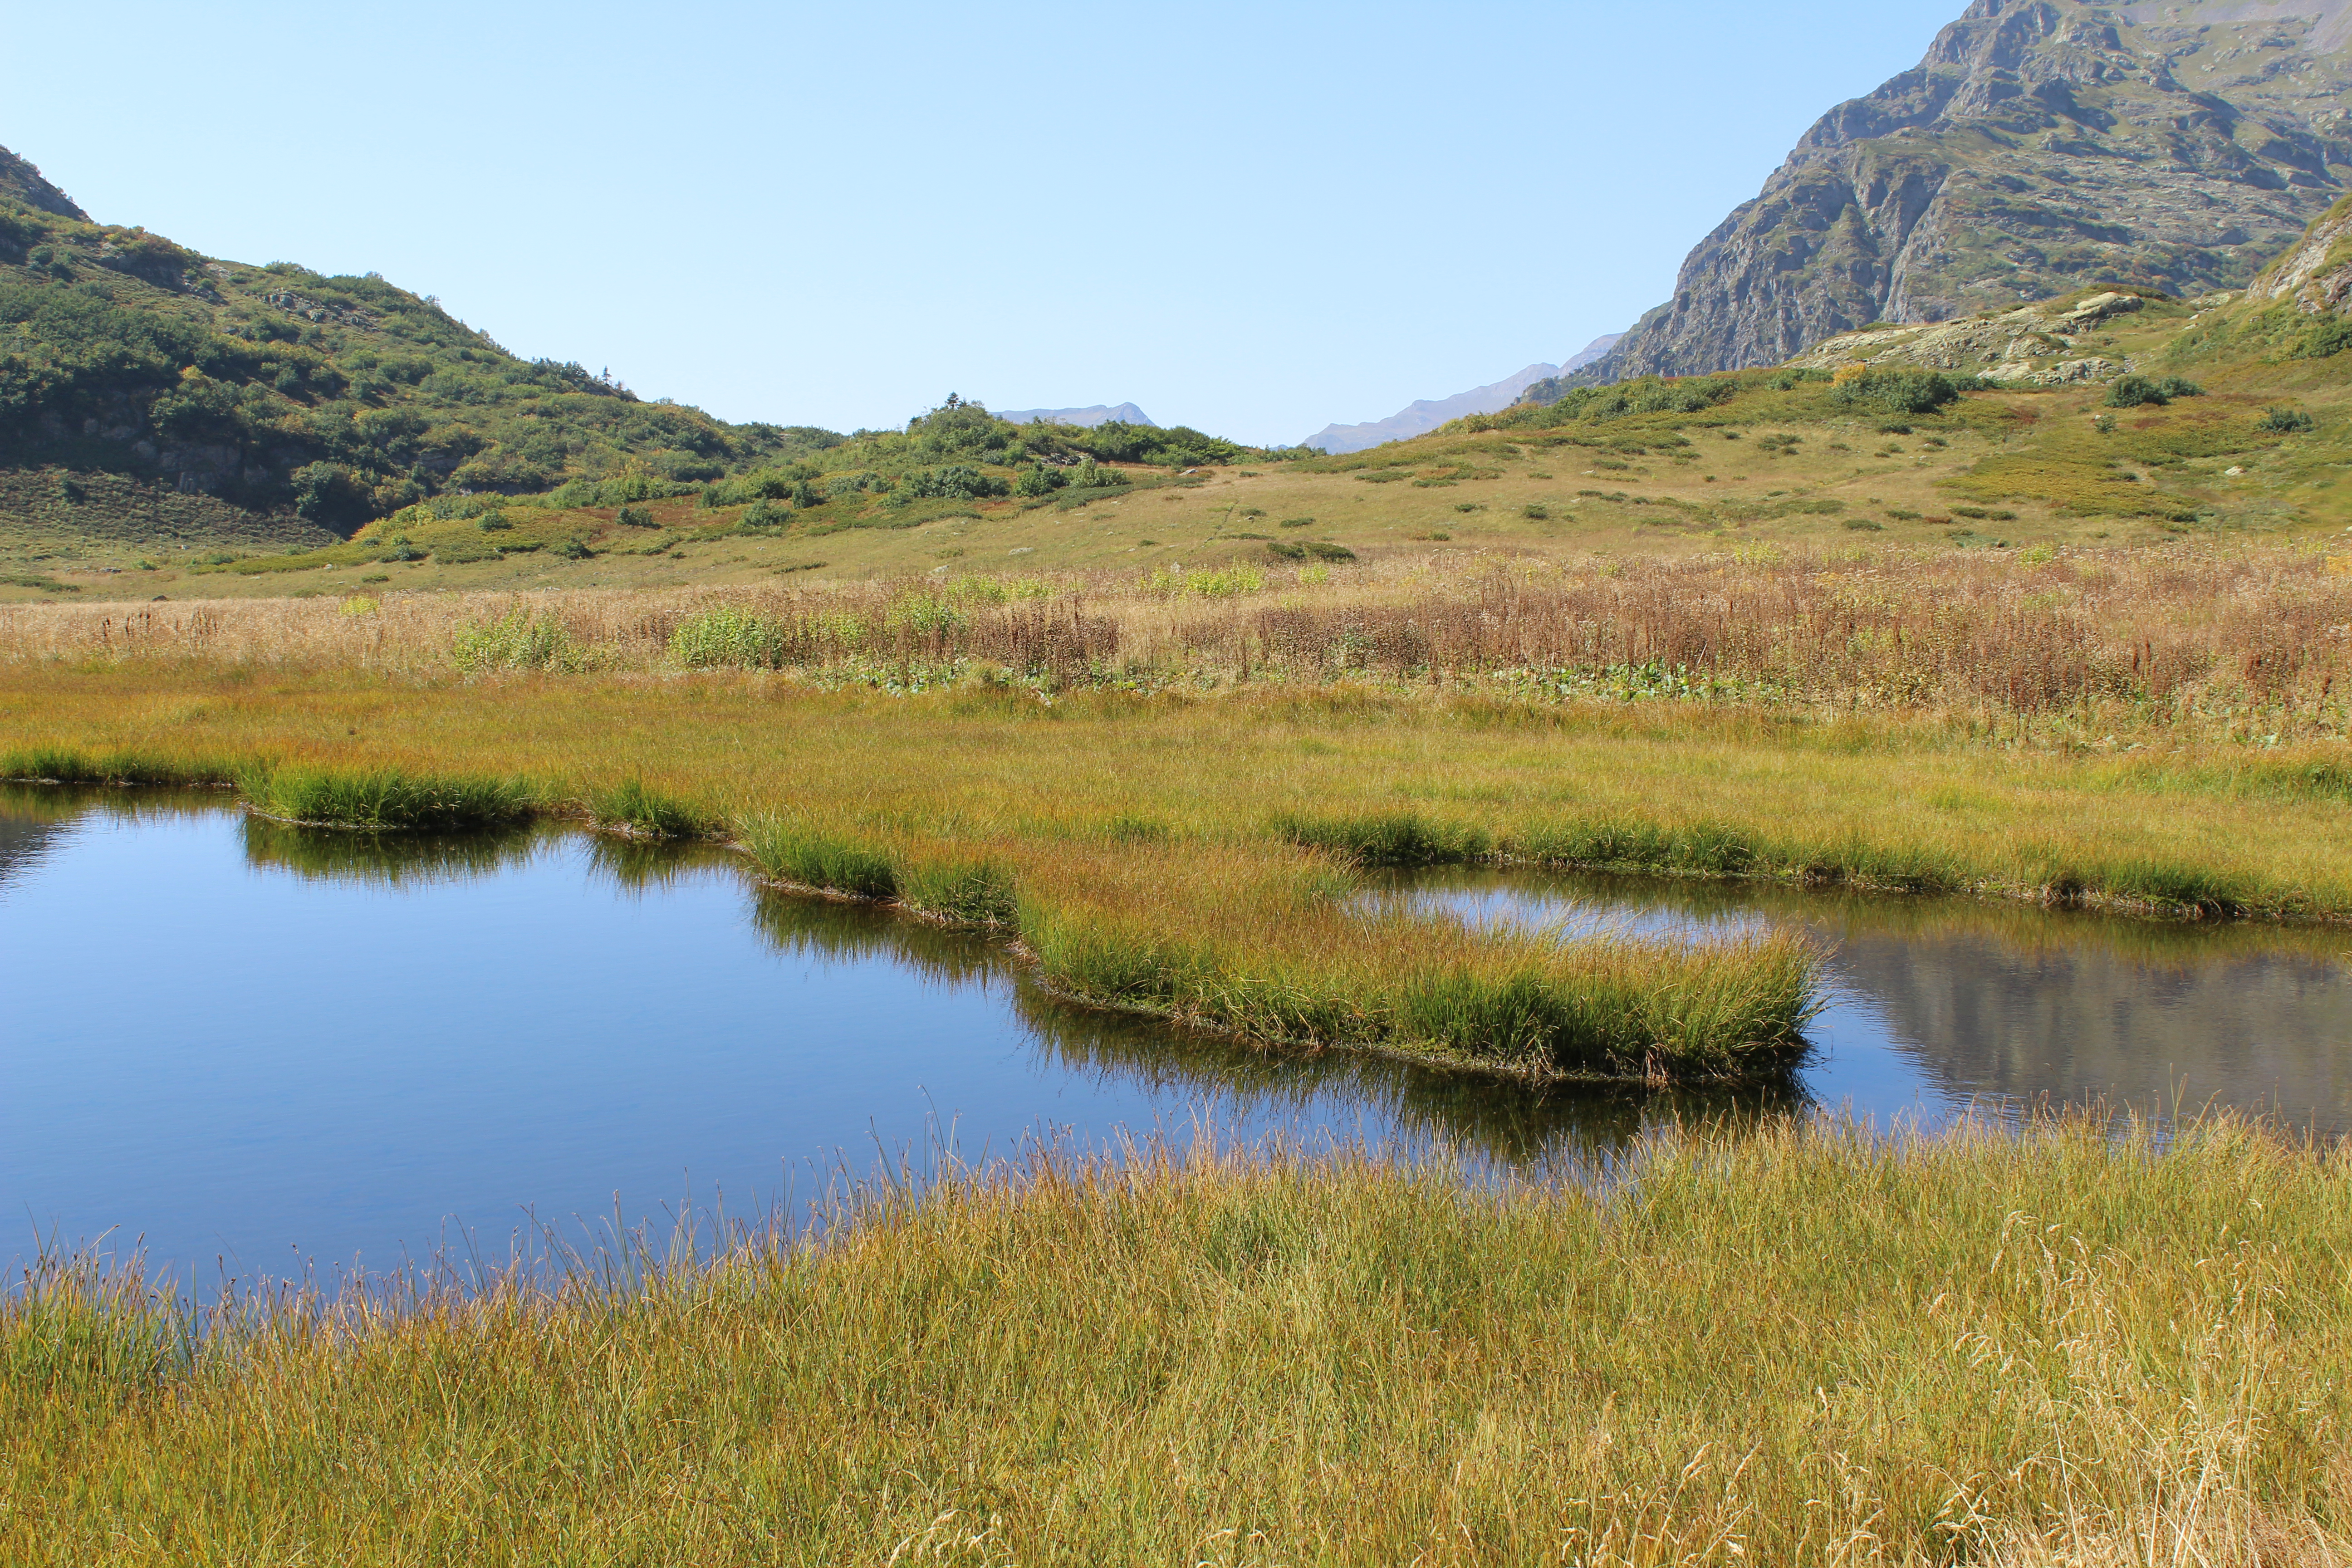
2039, 146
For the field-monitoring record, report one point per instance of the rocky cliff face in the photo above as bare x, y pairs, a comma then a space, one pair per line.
2040, 146
2316, 275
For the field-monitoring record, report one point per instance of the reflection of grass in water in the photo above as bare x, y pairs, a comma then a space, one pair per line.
1499, 1119
324, 855
1846, 914
801, 927
50, 803
1512, 1123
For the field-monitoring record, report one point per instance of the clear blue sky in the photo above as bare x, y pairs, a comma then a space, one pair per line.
1255, 219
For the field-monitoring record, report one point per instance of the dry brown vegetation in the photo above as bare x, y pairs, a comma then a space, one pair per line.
2242, 643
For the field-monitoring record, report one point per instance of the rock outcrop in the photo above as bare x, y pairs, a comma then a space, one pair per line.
2317, 273
2041, 145
2039, 344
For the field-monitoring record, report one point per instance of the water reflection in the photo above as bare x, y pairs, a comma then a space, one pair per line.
1996, 1000
241, 1038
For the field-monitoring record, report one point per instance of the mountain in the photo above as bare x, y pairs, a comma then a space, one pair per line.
1427, 414
22, 183
2042, 145
1085, 418
224, 393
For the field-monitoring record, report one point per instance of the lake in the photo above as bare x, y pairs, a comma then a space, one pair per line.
252, 1049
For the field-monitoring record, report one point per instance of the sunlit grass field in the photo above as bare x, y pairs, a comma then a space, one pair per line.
1799, 1344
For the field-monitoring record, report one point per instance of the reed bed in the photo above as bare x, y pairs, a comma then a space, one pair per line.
1801, 1345
2250, 642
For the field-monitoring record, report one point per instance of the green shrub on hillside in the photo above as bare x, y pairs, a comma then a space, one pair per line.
2140, 391
2325, 340
1903, 390
958, 481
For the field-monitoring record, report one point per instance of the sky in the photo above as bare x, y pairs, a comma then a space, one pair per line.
1253, 220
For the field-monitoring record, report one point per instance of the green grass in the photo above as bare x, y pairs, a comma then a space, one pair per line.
1797, 1344
381, 799
635, 808
60, 764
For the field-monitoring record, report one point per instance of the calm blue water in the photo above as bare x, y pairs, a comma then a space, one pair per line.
255, 1048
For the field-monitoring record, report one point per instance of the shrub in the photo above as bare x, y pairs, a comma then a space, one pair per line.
1324, 550
1038, 479
958, 481
1535, 510
2326, 339
573, 549
2136, 390
636, 517
494, 523
764, 514
1296, 522
1895, 391
2283, 421
805, 494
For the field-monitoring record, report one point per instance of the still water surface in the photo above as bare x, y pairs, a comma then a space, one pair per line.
256, 1047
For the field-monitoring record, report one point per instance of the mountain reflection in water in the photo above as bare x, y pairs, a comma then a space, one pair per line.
2010, 1001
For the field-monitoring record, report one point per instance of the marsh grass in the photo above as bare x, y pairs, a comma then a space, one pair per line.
381, 799
1799, 1344
2068, 646
633, 807
68, 765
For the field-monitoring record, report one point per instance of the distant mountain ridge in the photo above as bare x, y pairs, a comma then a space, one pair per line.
249, 392
2040, 146
1085, 418
1428, 413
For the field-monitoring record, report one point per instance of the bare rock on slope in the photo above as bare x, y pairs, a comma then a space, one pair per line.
2316, 274
2040, 146
2038, 344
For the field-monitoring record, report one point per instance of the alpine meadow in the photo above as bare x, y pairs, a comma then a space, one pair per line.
1577, 988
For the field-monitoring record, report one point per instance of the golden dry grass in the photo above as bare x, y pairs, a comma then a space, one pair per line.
2235, 644
1801, 1346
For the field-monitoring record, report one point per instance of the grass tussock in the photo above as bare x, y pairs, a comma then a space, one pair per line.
1804, 1345
381, 799
68, 765
635, 808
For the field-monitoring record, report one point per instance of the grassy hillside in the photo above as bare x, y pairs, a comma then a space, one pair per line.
1789, 460
2112, 415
